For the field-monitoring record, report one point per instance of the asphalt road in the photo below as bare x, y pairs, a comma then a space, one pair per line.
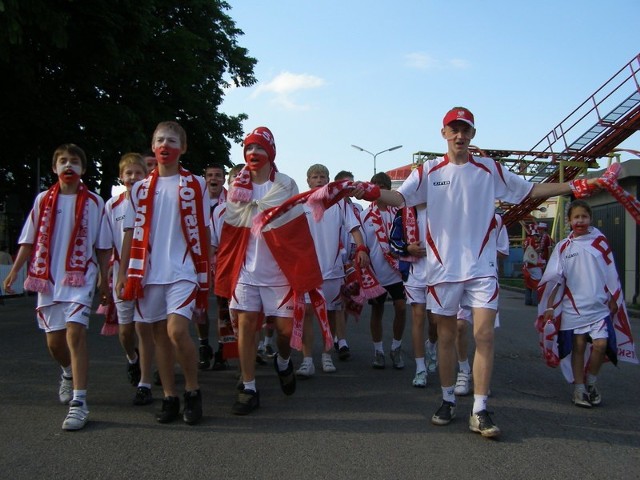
355, 423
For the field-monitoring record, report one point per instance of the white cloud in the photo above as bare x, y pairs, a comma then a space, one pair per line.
424, 61
285, 85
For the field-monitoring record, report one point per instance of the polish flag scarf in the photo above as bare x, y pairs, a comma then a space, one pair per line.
288, 238
556, 344
609, 181
192, 220
410, 229
78, 250
320, 200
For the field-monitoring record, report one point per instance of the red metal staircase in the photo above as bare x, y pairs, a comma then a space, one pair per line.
561, 154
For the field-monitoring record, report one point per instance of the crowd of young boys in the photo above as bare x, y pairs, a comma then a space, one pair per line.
433, 242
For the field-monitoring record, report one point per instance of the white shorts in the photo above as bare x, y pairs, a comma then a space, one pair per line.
273, 301
447, 298
331, 292
415, 294
595, 330
125, 310
52, 318
159, 301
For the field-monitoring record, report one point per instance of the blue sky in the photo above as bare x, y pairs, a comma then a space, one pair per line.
379, 74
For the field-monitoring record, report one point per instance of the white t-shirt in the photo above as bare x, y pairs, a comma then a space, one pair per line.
460, 207
63, 228
260, 268
169, 258
586, 283
385, 273
418, 269
217, 219
327, 234
112, 228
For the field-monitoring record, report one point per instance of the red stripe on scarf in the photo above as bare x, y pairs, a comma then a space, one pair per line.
78, 251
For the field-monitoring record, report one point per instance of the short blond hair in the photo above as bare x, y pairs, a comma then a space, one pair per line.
174, 127
131, 158
317, 168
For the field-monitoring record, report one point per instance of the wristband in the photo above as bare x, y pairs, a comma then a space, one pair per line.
581, 188
549, 310
362, 248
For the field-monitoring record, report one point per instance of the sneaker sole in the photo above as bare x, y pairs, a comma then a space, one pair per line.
492, 433
441, 422
420, 385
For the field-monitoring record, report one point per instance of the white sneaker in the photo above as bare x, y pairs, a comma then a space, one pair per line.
77, 416
65, 392
462, 383
431, 357
420, 380
306, 370
327, 363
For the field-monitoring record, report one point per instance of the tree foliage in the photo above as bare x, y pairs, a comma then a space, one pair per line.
103, 73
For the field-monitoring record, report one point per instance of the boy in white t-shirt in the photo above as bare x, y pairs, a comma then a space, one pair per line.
58, 240
327, 236
460, 192
132, 168
166, 247
377, 223
214, 175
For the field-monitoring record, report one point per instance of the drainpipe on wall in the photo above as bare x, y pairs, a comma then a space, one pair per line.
636, 291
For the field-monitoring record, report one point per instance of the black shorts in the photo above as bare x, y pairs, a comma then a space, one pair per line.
395, 290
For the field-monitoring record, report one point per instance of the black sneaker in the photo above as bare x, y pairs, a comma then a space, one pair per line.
260, 361
287, 377
143, 396
444, 414
269, 351
344, 353
206, 354
133, 371
481, 423
170, 410
192, 407
219, 363
247, 402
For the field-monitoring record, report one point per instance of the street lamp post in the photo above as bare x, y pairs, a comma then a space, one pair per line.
374, 155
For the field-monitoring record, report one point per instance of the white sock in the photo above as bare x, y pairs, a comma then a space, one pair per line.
479, 403
250, 385
464, 366
431, 347
448, 395
395, 344
145, 385
591, 379
377, 346
307, 360
80, 396
67, 372
420, 365
268, 341
342, 343
283, 363
579, 387
132, 361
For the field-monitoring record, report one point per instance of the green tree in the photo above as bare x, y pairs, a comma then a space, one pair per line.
103, 73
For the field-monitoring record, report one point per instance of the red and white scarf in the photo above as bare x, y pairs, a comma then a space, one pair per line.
609, 181
192, 221
594, 243
78, 250
288, 238
410, 230
382, 233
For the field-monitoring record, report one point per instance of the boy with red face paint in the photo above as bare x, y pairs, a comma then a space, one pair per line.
265, 271
58, 240
132, 169
166, 247
460, 192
